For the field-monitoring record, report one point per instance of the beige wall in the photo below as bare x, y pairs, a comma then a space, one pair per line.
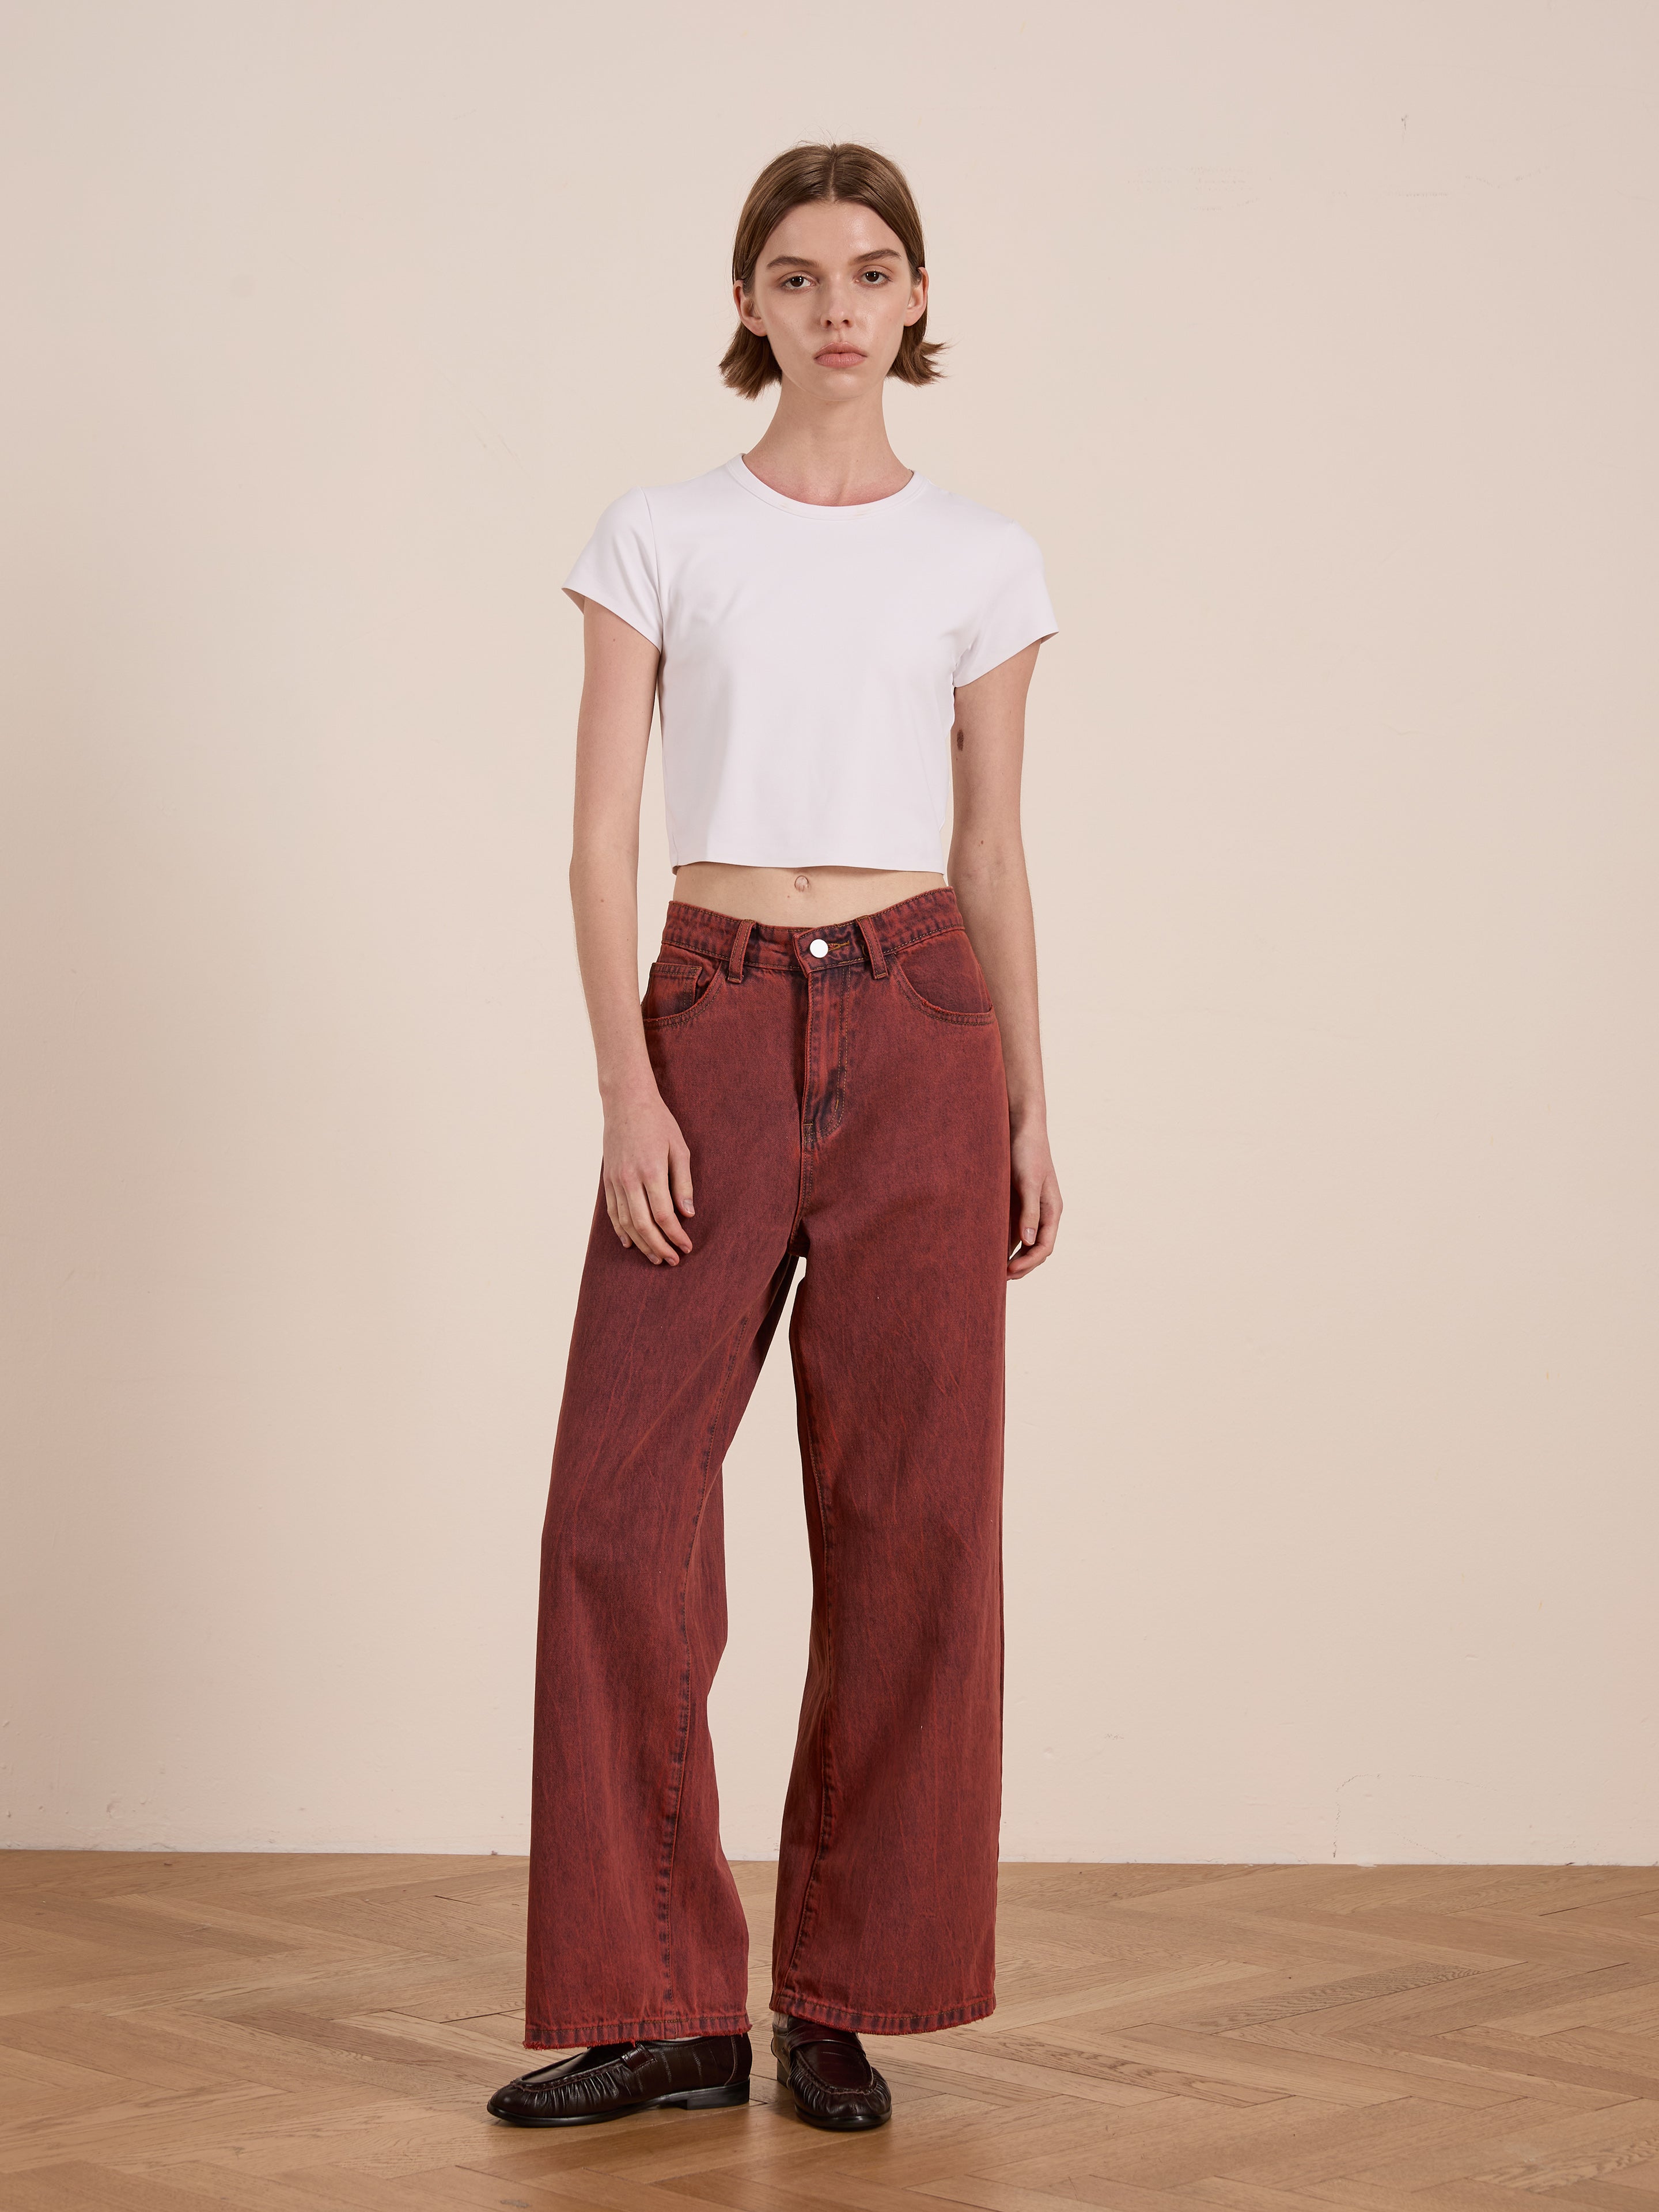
1316, 344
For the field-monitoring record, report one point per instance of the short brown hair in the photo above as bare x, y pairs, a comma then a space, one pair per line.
824, 172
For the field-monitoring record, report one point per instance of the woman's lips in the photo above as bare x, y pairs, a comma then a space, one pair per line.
838, 357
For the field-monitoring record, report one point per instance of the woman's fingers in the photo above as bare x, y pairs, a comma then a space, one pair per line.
1047, 1222
1039, 1224
664, 1219
680, 1175
641, 1211
614, 1208
1025, 1209
648, 1180
643, 1229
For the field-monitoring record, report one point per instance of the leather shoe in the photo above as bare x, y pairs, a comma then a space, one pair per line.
824, 2068
613, 2079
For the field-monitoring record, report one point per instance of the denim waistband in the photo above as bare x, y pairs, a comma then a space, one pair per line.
734, 944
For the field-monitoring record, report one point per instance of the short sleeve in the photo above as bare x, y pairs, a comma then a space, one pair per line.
619, 566
1015, 611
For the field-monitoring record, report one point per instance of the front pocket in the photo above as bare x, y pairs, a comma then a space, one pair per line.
676, 987
942, 976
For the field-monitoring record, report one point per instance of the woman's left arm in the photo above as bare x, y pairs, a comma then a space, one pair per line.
987, 872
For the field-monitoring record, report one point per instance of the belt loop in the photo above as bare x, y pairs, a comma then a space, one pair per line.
739, 946
877, 965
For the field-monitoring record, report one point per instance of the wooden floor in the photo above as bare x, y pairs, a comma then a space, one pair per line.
286, 2033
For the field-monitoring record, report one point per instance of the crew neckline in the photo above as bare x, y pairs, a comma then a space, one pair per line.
741, 473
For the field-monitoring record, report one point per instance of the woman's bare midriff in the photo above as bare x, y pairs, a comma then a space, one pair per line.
797, 898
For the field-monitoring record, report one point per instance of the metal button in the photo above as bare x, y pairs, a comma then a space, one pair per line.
818, 946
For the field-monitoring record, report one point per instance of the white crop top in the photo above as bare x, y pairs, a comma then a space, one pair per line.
809, 658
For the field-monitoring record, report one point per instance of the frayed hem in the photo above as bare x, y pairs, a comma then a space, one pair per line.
571, 2035
881, 2023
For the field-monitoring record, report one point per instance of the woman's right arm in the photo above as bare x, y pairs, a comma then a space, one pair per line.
647, 1162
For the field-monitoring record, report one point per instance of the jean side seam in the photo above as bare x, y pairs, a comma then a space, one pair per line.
826, 1820
570, 1511
670, 1840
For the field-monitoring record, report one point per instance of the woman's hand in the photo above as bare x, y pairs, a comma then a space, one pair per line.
1035, 1202
647, 1173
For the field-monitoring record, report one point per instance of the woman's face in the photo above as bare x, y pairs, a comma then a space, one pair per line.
832, 291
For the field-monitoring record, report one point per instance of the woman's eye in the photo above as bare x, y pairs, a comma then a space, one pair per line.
880, 275
797, 279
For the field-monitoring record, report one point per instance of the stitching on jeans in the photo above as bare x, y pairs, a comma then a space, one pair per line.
826, 1821
974, 1020
689, 1013
940, 926
677, 1767
571, 1511
977, 2008
803, 1179
902, 941
565, 2035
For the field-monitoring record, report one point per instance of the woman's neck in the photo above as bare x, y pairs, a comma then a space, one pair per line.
828, 456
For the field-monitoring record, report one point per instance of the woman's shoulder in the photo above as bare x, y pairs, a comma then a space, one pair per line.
684, 496
994, 538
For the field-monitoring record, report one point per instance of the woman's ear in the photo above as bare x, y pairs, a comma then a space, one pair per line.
746, 314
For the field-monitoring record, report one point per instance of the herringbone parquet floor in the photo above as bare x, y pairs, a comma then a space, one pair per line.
290, 2033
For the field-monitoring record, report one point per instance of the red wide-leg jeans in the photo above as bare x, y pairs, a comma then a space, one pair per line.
843, 1094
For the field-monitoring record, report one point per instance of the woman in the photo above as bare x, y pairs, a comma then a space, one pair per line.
835, 1060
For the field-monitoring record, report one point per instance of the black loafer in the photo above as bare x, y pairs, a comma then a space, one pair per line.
614, 2078
824, 2068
